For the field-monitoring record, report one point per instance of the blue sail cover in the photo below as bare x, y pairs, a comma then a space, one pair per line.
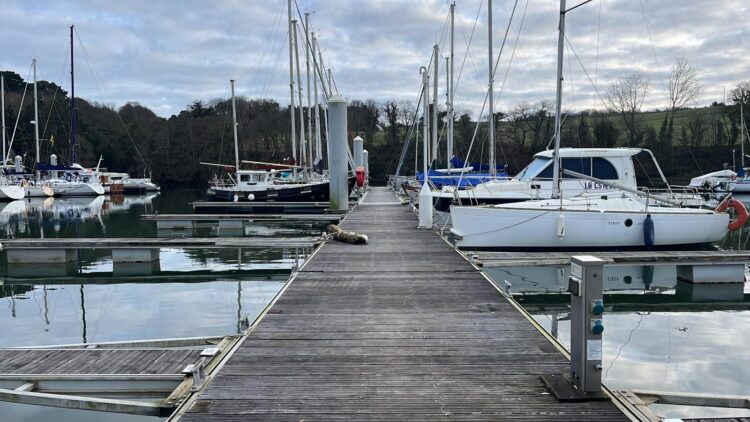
467, 180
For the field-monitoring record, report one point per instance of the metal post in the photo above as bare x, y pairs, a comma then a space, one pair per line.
337, 154
491, 115
425, 197
436, 64
366, 164
586, 327
291, 87
358, 143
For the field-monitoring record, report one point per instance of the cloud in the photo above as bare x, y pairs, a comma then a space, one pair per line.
165, 55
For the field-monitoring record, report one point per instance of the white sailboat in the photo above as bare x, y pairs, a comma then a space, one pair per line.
591, 220
8, 190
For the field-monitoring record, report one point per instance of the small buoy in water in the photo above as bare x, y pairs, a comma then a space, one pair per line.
561, 225
648, 232
250, 197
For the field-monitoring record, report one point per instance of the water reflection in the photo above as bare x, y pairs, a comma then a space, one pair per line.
661, 334
53, 313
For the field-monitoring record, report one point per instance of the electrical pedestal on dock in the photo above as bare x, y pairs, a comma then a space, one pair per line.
586, 327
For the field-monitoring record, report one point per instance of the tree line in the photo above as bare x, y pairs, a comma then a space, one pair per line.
134, 139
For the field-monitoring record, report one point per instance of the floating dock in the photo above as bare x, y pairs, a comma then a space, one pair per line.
403, 328
264, 207
141, 378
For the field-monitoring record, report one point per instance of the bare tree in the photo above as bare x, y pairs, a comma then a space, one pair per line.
684, 86
741, 94
626, 97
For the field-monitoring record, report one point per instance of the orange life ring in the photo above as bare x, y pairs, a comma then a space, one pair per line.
739, 209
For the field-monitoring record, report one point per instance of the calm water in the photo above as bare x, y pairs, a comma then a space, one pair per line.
186, 293
660, 334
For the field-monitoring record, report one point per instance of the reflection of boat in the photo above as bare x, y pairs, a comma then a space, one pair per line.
124, 203
554, 278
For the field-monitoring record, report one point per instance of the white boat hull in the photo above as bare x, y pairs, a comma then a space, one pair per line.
43, 191
11, 192
77, 188
521, 228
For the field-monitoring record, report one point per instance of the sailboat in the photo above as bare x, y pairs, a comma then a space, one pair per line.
623, 219
9, 190
278, 182
73, 180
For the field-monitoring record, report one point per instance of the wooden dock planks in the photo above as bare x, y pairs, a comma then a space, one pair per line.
95, 361
399, 329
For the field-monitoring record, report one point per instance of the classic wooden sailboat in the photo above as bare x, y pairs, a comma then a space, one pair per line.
591, 220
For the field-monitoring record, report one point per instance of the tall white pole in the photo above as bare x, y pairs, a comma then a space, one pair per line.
425, 122
302, 156
436, 61
450, 90
36, 122
234, 130
491, 115
558, 110
291, 85
309, 103
2, 109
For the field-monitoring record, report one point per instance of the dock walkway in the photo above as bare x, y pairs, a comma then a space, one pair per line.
402, 328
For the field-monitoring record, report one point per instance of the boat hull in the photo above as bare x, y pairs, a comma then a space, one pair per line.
11, 192
77, 189
303, 192
489, 228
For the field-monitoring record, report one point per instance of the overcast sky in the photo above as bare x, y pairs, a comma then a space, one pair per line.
165, 54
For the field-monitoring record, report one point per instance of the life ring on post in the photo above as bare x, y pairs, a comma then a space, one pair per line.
739, 209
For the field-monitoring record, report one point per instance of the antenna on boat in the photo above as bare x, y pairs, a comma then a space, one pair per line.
491, 109
234, 130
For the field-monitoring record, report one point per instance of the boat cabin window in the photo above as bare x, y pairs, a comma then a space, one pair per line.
602, 168
245, 178
532, 169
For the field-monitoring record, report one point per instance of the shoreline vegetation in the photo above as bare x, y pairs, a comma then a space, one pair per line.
686, 141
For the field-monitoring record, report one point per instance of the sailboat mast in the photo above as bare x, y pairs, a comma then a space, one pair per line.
2, 109
36, 121
436, 63
302, 155
449, 141
742, 137
491, 115
318, 142
291, 85
309, 103
558, 109
73, 154
234, 129
425, 121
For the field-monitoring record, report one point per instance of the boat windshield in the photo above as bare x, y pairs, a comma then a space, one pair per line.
534, 168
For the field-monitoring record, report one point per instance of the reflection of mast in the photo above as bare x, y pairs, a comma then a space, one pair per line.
554, 325
12, 302
83, 314
46, 310
239, 293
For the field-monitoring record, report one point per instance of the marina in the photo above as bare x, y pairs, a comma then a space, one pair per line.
473, 210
